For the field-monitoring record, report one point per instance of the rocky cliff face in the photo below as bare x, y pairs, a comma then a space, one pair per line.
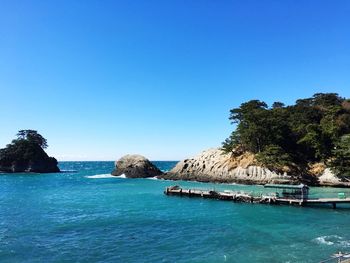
35, 166
328, 178
135, 166
27, 158
214, 165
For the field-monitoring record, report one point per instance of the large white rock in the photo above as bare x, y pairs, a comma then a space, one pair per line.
328, 178
216, 166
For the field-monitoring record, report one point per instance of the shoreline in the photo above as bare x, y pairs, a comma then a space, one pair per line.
250, 183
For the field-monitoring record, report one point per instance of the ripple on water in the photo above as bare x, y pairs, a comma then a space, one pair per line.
92, 216
332, 240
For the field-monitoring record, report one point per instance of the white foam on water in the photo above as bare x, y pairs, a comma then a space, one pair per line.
152, 178
322, 240
99, 176
328, 240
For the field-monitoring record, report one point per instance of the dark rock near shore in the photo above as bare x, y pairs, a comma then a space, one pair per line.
135, 166
26, 157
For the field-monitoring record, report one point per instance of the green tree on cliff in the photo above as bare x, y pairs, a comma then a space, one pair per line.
305, 132
32, 136
341, 162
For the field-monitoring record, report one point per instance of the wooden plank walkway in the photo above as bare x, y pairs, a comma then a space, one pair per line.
238, 196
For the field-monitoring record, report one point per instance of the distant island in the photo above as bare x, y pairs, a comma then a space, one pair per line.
26, 154
307, 142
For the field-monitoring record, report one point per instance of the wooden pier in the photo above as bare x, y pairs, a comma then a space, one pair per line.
238, 196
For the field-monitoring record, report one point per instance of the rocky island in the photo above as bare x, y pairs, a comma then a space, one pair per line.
135, 166
26, 154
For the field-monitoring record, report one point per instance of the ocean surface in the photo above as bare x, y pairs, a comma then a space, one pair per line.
86, 215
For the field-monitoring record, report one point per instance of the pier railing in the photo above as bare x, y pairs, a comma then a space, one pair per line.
250, 197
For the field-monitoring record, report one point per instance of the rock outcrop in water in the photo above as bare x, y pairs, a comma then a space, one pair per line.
135, 166
214, 165
37, 165
328, 178
26, 154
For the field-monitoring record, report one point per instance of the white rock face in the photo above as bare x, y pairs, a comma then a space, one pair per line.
328, 178
216, 166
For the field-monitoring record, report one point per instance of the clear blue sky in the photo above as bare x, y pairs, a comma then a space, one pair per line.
100, 79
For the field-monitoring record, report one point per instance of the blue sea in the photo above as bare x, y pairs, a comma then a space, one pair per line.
85, 215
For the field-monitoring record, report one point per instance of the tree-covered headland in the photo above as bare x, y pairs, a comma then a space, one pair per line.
26, 154
313, 130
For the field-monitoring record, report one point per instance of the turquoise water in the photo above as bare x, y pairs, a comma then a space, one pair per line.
87, 216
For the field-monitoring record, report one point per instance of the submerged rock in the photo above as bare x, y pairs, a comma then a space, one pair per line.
135, 166
214, 165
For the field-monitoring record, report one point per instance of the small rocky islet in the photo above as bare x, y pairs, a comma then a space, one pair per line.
26, 154
135, 166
